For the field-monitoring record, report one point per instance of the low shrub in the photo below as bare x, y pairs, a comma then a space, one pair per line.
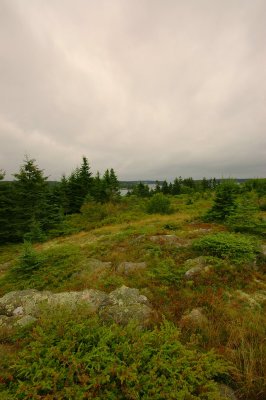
166, 272
79, 358
159, 204
235, 248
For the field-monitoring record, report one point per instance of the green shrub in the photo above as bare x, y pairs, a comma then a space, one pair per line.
159, 204
245, 217
79, 358
29, 260
166, 272
232, 247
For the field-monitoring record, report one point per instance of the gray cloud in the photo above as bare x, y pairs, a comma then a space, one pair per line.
154, 89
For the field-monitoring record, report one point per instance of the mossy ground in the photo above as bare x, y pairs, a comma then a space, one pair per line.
235, 329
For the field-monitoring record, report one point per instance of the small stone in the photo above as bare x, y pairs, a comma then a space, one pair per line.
196, 266
18, 311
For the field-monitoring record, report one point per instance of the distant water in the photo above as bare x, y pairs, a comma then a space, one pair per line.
123, 192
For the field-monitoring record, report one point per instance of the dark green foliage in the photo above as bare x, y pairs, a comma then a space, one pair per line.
176, 189
205, 184
189, 182
157, 188
31, 193
35, 233
165, 188
78, 358
79, 185
167, 272
29, 261
224, 202
159, 204
141, 190
110, 186
7, 213
245, 217
235, 248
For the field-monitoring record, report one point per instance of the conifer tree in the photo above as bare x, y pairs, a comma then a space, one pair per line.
79, 185
31, 191
176, 189
157, 188
224, 202
165, 188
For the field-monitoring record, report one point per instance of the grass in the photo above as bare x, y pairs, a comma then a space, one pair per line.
234, 329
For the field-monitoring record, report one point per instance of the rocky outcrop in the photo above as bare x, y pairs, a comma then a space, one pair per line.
127, 268
196, 266
122, 305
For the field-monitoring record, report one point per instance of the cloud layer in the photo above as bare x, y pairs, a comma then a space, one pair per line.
154, 89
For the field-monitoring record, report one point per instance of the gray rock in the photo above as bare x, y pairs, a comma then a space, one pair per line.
121, 305
125, 296
196, 266
128, 268
126, 304
18, 311
28, 302
28, 299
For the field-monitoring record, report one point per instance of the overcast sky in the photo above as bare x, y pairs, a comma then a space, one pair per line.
152, 88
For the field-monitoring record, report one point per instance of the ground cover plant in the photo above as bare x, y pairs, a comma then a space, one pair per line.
80, 358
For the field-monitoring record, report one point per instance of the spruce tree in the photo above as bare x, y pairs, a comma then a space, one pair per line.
176, 189
165, 188
224, 202
79, 185
31, 191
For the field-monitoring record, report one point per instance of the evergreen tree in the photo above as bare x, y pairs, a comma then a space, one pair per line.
224, 202
79, 185
189, 182
64, 195
114, 186
141, 190
157, 188
31, 191
176, 189
205, 184
97, 188
165, 188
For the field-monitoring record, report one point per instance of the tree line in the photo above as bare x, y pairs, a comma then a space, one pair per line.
30, 205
